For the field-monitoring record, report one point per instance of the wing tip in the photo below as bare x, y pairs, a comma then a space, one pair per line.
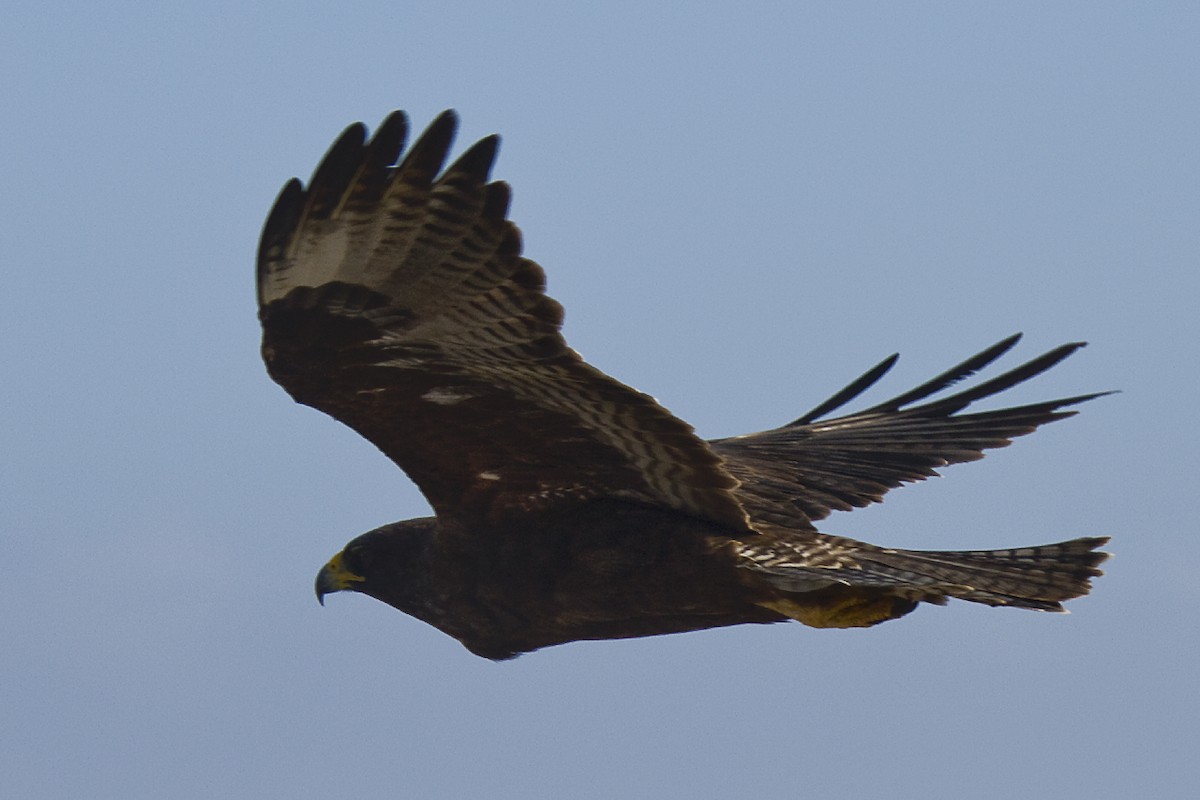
477, 160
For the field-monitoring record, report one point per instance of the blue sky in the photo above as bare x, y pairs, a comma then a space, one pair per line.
741, 210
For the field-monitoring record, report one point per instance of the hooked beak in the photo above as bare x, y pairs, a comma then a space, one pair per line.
334, 577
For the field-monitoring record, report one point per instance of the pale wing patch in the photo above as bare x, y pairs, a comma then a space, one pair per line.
447, 396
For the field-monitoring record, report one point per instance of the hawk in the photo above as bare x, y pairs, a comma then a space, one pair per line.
568, 506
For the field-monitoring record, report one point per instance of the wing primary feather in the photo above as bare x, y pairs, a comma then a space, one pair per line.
335, 173
998, 384
428, 152
477, 161
387, 143
278, 228
382, 153
856, 387
949, 377
496, 201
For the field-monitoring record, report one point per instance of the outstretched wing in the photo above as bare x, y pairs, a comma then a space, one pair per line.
396, 300
802, 471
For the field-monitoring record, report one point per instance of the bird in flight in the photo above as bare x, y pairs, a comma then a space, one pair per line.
568, 506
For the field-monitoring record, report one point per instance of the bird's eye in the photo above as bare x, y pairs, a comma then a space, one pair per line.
351, 559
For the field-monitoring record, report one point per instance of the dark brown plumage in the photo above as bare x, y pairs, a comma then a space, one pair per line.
394, 297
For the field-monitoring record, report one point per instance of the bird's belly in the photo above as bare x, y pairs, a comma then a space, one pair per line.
618, 572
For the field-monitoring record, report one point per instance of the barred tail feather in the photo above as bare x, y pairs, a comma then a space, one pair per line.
1038, 578
834, 582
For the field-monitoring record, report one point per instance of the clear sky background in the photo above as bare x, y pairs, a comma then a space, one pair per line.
741, 210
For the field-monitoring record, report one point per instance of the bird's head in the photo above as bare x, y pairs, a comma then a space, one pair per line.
389, 563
